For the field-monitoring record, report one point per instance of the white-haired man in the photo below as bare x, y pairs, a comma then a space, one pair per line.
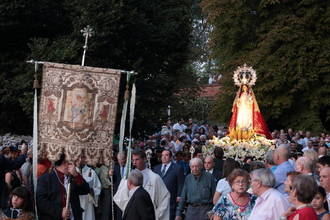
305, 165
197, 193
140, 206
270, 203
152, 183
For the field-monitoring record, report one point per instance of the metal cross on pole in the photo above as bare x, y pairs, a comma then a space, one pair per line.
87, 32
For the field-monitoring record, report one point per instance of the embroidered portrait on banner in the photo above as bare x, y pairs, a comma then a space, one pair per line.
77, 112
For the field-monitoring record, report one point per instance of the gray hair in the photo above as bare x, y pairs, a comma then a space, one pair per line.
311, 154
135, 177
196, 160
265, 176
306, 162
121, 154
283, 150
306, 188
269, 157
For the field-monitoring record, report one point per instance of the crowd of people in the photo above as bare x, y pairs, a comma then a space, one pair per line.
174, 183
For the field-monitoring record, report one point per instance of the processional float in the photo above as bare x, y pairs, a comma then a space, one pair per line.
248, 132
77, 112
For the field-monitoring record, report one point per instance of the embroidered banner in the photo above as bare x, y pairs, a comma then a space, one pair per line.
77, 112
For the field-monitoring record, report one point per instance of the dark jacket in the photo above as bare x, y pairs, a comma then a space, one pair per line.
49, 196
216, 174
116, 177
174, 180
140, 206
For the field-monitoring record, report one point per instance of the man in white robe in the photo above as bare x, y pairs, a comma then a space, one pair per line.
152, 183
87, 202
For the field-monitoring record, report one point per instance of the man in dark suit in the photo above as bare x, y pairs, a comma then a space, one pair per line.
209, 167
139, 206
173, 177
52, 196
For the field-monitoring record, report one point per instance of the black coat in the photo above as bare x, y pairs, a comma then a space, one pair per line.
140, 206
216, 174
49, 197
218, 165
174, 180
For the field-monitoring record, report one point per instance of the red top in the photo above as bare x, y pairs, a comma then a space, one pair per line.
306, 213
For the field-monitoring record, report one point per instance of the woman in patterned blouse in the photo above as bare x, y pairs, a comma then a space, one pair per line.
237, 204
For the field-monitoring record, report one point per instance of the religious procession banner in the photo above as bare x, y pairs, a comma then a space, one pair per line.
77, 112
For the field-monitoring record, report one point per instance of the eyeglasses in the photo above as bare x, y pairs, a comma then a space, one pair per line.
241, 182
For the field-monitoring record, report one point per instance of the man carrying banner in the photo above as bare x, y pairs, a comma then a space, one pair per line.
52, 192
152, 183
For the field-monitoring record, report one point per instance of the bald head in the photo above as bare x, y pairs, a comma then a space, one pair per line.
281, 154
208, 163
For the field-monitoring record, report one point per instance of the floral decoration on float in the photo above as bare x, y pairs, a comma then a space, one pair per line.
256, 147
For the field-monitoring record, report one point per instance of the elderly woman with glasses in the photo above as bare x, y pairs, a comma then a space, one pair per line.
236, 204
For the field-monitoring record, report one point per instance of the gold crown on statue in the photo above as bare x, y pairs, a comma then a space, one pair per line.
245, 75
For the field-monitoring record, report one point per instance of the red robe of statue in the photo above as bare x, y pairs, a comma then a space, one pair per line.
247, 120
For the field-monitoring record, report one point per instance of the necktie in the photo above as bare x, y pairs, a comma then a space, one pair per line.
122, 172
164, 170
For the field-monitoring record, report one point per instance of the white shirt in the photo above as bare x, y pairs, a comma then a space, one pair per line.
223, 186
180, 127
210, 171
307, 148
269, 206
87, 202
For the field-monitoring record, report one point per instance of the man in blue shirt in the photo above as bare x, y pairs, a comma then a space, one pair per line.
281, 157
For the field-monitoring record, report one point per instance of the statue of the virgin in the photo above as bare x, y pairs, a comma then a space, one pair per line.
246, 120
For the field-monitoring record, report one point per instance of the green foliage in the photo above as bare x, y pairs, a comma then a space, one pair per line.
287, 42
189, 105
150, 37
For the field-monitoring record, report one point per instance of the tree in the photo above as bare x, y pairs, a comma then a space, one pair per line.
150, 37
287, 42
